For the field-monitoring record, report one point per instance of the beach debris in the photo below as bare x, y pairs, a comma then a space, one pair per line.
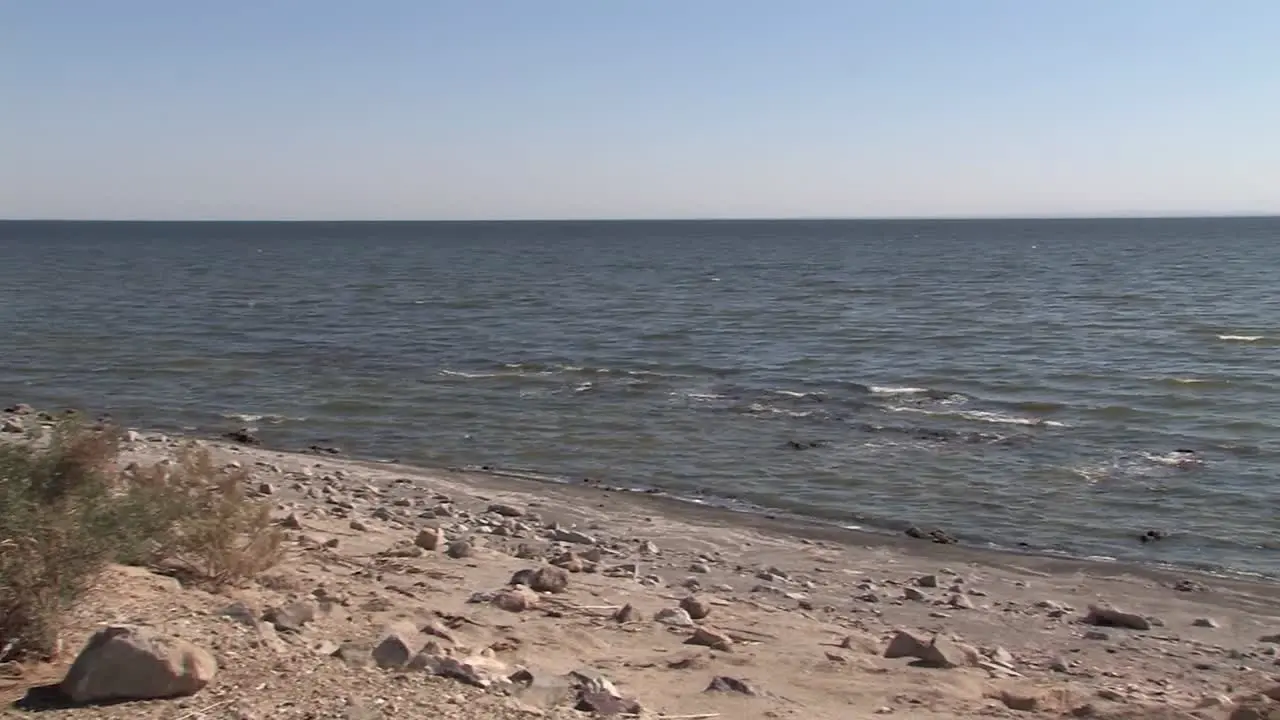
696, 607
1107, 616
132, 663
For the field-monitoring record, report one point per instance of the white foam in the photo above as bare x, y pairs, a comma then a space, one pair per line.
1241, 338
470, 376
982, 416
890, 390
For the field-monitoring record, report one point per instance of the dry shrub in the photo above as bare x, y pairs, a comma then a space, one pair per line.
214, 533
58, 527
66, 511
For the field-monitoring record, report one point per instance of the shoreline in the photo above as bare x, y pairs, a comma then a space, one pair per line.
801, 619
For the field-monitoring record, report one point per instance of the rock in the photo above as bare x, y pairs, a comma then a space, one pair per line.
914, 594
1002, 656
515, 599
459, 549
522, 577
861, 643
359, 526
700, 568
927, 581
1272, 639
712, 638
241, 613
1205, 622
128, 663
290, 618
960, 602
648, 548
937, 536
1025, 700
12, 426
1190, 586
626, 614
266, 488
429, 538
1257, 707
20, 409
675, 617
505, 510
435, 628
1106, 616
905, 644
724, 683
397, 648
244, 436
573, 536
1273, 692
937, 653
549, 579
696, 607
478, 670
1097, 635
569, 561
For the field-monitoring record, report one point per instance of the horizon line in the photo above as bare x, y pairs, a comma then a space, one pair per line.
759, 218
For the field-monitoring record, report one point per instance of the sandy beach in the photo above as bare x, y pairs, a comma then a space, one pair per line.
661, 608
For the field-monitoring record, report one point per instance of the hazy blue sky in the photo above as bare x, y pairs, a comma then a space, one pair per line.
637, 108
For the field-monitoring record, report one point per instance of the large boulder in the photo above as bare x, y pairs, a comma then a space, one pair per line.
132, 663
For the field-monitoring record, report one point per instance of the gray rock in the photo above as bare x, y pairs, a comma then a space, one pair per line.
1205, 622
700, 568
128, 663
712, 638
292, 617
572, 536
960, 602
675, 617
696, 607
515, 599
397, 648
505, 510
1107, 616
724, 683
927, 581
914, 594
549, 579
460, 549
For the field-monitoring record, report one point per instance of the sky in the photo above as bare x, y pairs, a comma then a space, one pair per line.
506, 109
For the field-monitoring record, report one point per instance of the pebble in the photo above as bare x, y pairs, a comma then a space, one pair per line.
696, 607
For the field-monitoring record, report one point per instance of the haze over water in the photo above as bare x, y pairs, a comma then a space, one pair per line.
1019, 383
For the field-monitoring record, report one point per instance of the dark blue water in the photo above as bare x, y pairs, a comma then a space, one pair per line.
1010, 381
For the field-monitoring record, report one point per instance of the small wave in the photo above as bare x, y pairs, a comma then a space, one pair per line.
1177, 458
252, 418
1242, 338
985, 416
798, 395
763, 409
584, 387
467, 375
890, 390
699, 396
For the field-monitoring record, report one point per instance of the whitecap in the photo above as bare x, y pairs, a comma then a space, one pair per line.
891, 390
467, 375
982, 416
1241, 338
